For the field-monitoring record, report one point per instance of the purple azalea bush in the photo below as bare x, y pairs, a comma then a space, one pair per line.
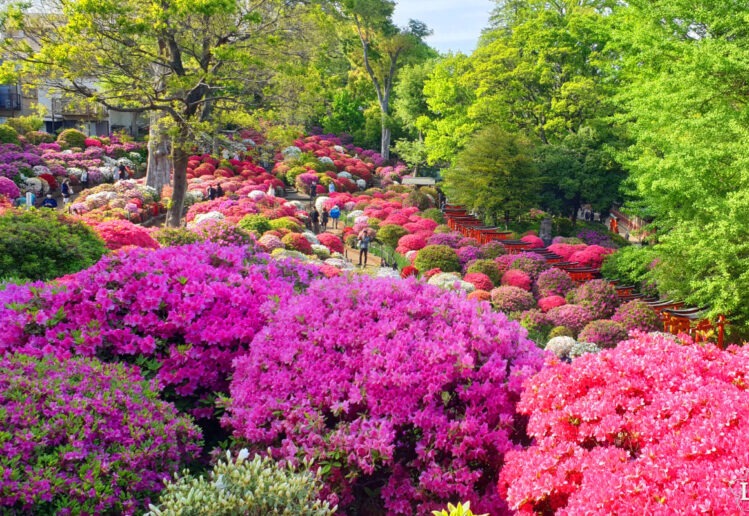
394, 387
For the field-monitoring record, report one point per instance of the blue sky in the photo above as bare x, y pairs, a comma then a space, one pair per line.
456, 24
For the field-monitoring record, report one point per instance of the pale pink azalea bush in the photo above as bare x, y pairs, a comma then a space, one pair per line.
517, 278
604, 333
509, 299
189, 310
387, 383
651, 427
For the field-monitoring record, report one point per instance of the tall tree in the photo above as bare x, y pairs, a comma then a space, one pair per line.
182, 59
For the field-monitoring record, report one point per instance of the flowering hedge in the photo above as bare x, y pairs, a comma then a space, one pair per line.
636, 315
387, 384
650, 427
83, 437
598, 296
189, 310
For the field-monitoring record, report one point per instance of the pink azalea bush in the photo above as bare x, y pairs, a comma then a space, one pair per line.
9, 189
222, 232
534, 240
531, 263
191, 309
390, 384
121, 233
604, 333
549, 302
479, 280
270, 242
517, 278
468, 254
591, 256
574, 317
509, 299
598, 296
332, 242
651, 427
411, 243
82, 437
554, 282
637, 315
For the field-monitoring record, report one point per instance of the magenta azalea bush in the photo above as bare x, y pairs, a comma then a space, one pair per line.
390, 385
9, 189
531, 263
598, 296
549, 302
468, 254
512, 299
574, 317
651, 427
605, 333
182, 312
82, 437
517, 278
222, 232
637, 315
554, 282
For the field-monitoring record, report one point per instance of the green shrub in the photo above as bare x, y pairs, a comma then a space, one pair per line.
561, 331
437, 257
434, 214
257, 223
352, 241
25, 124
374, 223
418, 199
8, 134
168, 237
442, 228
429, 191
488, 267
286, 223
562, 226
293, 173
70, 138
43, 244
389, 234
37, 137
252, 487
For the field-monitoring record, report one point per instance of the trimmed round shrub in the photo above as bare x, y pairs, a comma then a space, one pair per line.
479, 280
389, 234
574, 317
598, 296
549, 302
257, 223
442, 228
480, 295
468, 254
286, 223
604, 333
257, 486
517, 278
70, 138
637, 315
81, 436
560, 346
534, 240
451, 239
512, 299
493, 249
414, 438
37, 137
554, 282
297, 242
175, 236
437, 257
534, 321
43, 244
434, 214
121, 233
331, 241
488, 267
8, 134
186, 312
411, 243
561, 331
270, 243
649, 424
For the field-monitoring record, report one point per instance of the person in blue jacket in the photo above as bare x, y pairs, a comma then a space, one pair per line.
335, 214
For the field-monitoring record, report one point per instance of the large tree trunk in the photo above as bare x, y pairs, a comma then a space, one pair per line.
179, 161
159, 165
385, 138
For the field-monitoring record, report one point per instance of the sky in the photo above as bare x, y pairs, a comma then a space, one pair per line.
457, 24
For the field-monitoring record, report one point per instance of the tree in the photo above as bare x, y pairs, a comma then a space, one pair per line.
411, 109
180, 60
495, 173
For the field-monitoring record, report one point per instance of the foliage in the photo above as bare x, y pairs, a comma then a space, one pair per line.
631, 265
286, 223
418, 382
44, 244
389, 234
625, 428
512, 299
37, 137
257, 486
25, 124
598, 296
85, 437
434, 214
175, 236
636, 315
457, 510
8, 134
604, 333
71, 138
561, 331
257, 223
437, 257
487, 267
419, 200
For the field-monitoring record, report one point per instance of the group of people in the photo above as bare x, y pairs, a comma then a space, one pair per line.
321, 219
215, 193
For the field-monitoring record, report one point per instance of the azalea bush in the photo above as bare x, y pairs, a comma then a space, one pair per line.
411, 400
509, 299
9, 189
517, 278
554, 282
175, 236
531, 263
573, 317
479, 280
488, 267
652, 426
437, 257
604, 333
120, 233
493, 249
44, 244
332, 242
297, 242
549, 302
183, 313
637, 315
70, 138
598, 296
81, 437
222, 232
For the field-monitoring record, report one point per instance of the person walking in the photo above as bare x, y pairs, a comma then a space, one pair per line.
211, 193
49, 202
84, 179
324, 219
219, 191
116, 174
364, 240
331, 187
315, 216
335, 214
66, 191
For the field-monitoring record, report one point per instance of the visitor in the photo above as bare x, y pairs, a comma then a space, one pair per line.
66, 191
324, 219
211, 193
49, 202
123, 172
313, 190
331, 187
335, 214
364, 240
219, 191
116, 174
84, 179
315, 216
271, 191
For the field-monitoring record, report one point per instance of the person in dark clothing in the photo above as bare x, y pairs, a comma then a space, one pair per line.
313, 190
49, 202
364, 241
315, 216
325, 217
219, 191
211, 193
65, 190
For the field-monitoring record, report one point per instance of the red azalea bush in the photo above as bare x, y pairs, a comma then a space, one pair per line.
297, 242
479, 280
83, 437
650, 427
408, 271
517, 278
121, 233
512, 299
432, 272
549, 302
598, 296
605, 333
411, 243
412, 398
574, 317
189, 309
637, 315
332, 242
554, 282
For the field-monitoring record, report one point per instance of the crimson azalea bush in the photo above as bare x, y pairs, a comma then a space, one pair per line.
604, 333
408, 271
637, 315
598, 296
517, 278
554, 282
650, 427
183, 313
574, 317
509, 299
121, 233
479, 280
392, 386
82, 437
332, 242
297, 242
549, 302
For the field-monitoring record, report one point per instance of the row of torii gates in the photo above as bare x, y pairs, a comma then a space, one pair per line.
675, 317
